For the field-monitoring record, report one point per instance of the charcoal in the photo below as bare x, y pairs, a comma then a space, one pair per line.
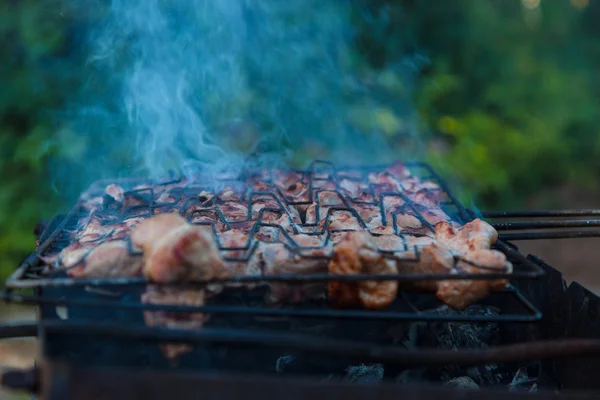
522, 382
365, 373
534, 388
283, 362
455, 336
411, 376
462, 382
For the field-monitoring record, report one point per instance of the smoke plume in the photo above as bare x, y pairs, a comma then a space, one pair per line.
186, 84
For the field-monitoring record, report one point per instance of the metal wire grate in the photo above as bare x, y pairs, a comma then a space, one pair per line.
205, 201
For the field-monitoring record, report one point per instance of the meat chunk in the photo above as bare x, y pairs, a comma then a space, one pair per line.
176, 251
277, 259
116, 192
74, 254
472, 243
459, 294
110, 259
355, 254
151, 230
187, 252
474, 235
432, 259
369, 222
174, 320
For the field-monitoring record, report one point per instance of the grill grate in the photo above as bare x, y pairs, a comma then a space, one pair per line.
104, 314
187, 199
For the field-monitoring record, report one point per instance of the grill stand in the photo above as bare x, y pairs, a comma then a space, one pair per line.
68, 383
569, 312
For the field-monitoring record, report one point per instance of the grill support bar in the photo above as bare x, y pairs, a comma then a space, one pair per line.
76, 382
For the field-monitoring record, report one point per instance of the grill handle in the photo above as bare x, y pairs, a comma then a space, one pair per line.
22, 379
544, 224
18, 330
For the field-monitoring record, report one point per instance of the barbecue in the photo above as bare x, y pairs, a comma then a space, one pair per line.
351, 274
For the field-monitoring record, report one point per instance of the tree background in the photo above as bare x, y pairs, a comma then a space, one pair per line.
505, 99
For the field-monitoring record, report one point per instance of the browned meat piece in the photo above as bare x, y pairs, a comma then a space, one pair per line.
339, 220
185, 252
408, 223
426, 197
460, 294
368, 212
258, 186
384, 183
231, 241
206, 216
92, 200
336, 219
165, 197
278, 260
258, 203
116, 192
413, 184
234, 211
432, 259
292, 186
234, 194
472, 242
398, 170
50, 259
110, 259
175, 250
356, 254
74, 253
355, 190
389, 243
434, 216
165, 187
474, 235
174, 320
151, 230
91, 229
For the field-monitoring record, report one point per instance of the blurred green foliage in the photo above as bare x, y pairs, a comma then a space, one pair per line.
506, 102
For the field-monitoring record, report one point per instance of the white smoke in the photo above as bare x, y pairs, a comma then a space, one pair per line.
204, 83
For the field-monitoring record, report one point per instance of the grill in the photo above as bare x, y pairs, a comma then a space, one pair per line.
99, 321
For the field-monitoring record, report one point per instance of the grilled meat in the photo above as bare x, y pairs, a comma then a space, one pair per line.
174, 320
366, 223
109, 259
474, 235
175, 250
432, 259
355, 254
184, 252
460, 294
151, 230
278, 259
472, 243
116, 192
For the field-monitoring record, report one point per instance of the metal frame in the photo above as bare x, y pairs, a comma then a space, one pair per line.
30, 273
64, 382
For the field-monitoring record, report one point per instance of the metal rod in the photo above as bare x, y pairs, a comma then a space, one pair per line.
522, 225
549, 235
287, 278
541, 213
18, 330
389, 354
530, 312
